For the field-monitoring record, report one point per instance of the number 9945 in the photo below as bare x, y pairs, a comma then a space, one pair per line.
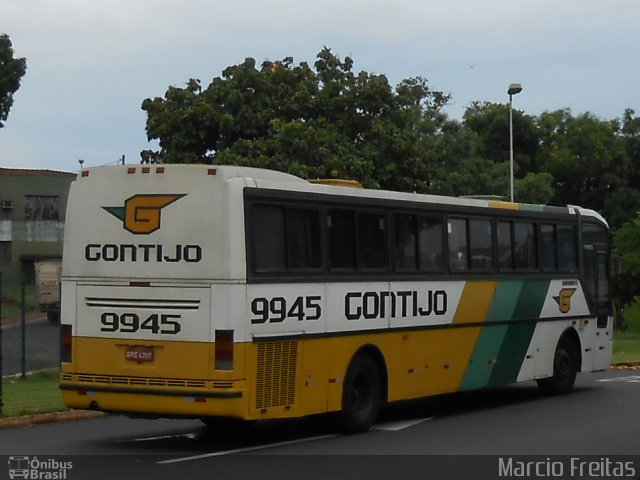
163, 324
277, 309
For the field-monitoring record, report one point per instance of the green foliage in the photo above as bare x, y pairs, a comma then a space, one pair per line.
626, 245
12, 299
632, 316
626, 344
534, 188
491, 122
326, 120
313, 122
11, 71
586, 157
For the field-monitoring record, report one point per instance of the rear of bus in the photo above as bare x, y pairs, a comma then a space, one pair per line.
153, 265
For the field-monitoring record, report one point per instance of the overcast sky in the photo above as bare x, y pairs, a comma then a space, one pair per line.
91, 63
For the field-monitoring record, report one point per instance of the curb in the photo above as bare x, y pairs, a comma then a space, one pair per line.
53, 417
626, 366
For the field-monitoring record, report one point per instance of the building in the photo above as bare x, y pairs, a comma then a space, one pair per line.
32, 211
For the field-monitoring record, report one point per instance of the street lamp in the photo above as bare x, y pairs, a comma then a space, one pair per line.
514, 89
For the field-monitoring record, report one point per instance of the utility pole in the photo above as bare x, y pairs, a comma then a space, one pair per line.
514, 89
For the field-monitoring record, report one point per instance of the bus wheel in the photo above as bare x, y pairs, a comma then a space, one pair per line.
361, 395
565, 368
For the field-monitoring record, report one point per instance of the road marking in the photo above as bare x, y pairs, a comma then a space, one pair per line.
161, 437
627, 379
244, 450
389, 427
397, 426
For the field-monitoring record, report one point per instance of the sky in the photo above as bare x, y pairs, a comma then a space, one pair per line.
91, 63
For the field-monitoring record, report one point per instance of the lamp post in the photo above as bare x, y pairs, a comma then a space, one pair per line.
514, 89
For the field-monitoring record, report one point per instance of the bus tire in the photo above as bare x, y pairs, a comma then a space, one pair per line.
565, 368
361, 394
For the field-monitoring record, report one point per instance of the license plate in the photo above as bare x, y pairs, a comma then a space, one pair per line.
139, 354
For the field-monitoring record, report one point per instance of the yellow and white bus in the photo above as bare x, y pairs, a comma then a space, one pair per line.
208, 292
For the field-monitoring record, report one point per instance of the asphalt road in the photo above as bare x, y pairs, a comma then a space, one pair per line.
601, 418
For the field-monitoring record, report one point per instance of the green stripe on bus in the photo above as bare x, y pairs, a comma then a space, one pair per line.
500, 349
491, 338
505, 301
484, 356
516, 341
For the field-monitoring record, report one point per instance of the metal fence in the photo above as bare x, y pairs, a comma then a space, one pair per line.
29, 354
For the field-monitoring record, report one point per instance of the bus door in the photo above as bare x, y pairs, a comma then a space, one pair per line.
597, 280
596, 268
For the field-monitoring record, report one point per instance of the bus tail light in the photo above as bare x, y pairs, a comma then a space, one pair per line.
224, 350
603, 321
65, 344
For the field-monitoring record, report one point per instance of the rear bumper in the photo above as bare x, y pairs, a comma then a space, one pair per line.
159, 401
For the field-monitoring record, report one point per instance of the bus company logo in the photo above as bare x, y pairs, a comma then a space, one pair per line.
141, 213
564, 299
34, 468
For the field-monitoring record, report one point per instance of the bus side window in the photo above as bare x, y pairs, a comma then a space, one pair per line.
481, 240
342, 239
458, 247
303, 238
525, 254
505, 250
268, 237
548, 247
567, 250
405, 242
430, 244
372, 245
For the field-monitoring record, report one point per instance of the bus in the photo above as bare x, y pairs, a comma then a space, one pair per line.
227, 292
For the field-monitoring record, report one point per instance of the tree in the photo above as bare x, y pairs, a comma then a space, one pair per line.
586, 157
491, 122
534, 188
11, 71
626, 246
313, 122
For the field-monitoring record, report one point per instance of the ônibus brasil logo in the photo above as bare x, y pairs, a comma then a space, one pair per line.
141, 213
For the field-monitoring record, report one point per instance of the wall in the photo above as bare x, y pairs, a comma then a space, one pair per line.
32, 238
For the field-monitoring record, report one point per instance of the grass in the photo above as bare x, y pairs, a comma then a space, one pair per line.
12, 299
38, 393
626, 345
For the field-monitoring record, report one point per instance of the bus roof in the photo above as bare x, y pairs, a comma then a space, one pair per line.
272, 179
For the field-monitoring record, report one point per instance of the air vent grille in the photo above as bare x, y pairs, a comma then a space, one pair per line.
276, 381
